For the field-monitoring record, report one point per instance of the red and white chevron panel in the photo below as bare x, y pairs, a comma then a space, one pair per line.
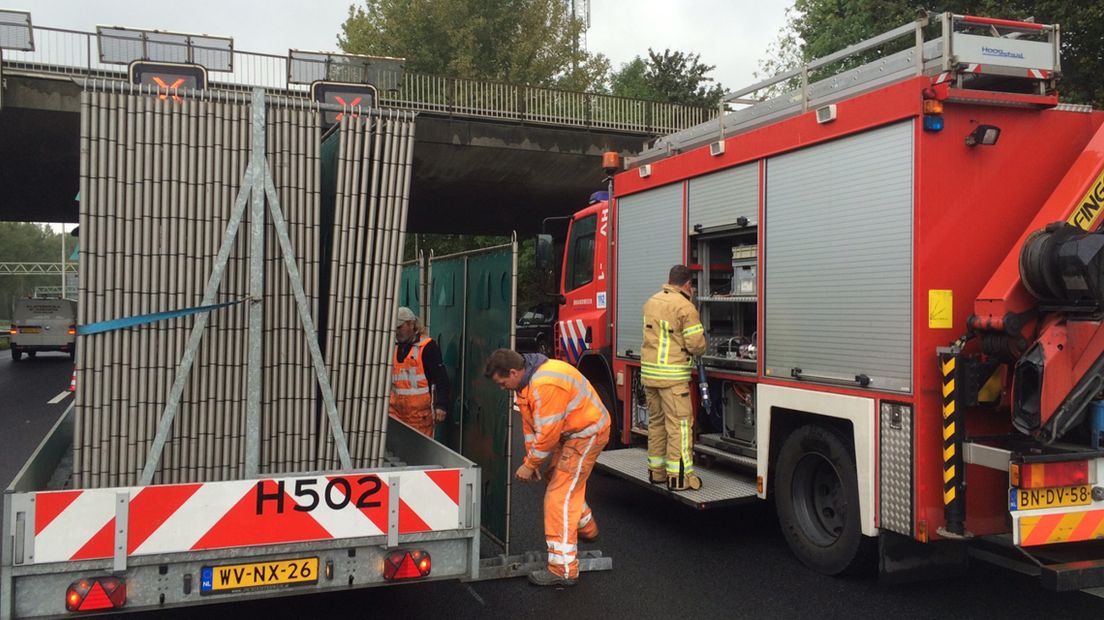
80, 525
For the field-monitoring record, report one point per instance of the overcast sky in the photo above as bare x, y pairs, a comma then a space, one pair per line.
731, 34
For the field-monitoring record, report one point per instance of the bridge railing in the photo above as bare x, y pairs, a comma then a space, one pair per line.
74, 53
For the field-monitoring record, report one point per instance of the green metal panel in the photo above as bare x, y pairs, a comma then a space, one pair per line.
446, 326
488, 325
410, 288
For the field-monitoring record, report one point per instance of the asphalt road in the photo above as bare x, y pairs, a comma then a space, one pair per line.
669, 561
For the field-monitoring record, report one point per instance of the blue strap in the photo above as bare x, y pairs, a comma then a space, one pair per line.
142, 319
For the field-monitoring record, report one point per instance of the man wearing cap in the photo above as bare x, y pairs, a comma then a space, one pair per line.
419, 381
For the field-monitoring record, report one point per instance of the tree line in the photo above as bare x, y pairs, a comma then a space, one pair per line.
536, 42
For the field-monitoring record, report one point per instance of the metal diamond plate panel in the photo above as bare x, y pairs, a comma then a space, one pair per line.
896, 470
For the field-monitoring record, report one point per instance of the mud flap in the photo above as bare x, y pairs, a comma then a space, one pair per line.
902, 559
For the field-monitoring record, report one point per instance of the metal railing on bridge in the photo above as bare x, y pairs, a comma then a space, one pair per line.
72, 53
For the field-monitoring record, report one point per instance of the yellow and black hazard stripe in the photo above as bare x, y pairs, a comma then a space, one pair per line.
954, 500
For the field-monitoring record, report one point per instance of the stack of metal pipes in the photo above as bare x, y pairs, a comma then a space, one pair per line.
159, 178
373, 188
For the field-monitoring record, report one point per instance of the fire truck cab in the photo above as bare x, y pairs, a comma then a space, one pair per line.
899, 270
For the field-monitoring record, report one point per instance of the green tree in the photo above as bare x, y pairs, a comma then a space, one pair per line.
816, 28
670, 77
632, 81
679, 77
532, 42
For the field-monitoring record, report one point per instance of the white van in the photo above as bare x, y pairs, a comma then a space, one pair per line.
43, 325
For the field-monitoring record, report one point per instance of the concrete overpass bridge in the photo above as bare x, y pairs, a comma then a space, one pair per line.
505, 156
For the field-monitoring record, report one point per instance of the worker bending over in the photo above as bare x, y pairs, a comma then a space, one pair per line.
566, 425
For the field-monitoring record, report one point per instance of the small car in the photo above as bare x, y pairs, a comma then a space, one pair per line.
535, 330
43, 325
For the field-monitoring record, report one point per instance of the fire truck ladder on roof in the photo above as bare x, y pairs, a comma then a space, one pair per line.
975, 52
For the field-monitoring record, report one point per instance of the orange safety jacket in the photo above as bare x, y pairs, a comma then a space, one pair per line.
410, 394
557, 403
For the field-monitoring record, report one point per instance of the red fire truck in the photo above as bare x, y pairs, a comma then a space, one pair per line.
901, 273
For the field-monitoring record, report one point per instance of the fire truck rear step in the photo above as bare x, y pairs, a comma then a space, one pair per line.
720, 487
1061, 567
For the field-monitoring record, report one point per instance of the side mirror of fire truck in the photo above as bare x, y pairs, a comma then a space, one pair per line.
545, 259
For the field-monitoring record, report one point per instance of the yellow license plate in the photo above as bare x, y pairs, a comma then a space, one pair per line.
237, 577
1050, 497
29, 330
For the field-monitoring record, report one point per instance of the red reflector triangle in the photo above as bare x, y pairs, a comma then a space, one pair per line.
96, 599
408, 570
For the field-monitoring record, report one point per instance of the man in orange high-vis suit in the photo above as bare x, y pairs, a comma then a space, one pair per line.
565, 424
419, 381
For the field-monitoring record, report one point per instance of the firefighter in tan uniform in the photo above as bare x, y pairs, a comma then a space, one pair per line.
565, 425
672, 334
419, 381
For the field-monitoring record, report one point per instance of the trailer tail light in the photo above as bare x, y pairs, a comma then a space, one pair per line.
73, 329
95, 594
1044, 475
406, 564
13, 330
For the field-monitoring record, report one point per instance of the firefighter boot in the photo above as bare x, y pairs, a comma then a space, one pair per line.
656, 476
686, 482
546, 578
683, 482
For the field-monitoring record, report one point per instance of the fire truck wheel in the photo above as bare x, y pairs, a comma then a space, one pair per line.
817, 497
544, 347
606, 394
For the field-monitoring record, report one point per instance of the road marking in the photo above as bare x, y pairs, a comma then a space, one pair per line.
476, 596
60, 397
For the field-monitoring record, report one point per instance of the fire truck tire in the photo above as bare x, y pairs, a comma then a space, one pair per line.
606, 394
816, 494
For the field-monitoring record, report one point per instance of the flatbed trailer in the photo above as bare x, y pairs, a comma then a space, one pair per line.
179, 545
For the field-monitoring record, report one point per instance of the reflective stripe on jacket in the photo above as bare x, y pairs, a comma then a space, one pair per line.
673, 332
408, 377
558, 402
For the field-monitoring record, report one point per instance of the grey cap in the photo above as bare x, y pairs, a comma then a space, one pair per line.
403, 315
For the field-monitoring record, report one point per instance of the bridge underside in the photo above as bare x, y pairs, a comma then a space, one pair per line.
470, 176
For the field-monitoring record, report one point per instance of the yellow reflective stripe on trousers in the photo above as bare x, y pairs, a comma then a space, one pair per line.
664, 343
655, 462
693, 329
687, 458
